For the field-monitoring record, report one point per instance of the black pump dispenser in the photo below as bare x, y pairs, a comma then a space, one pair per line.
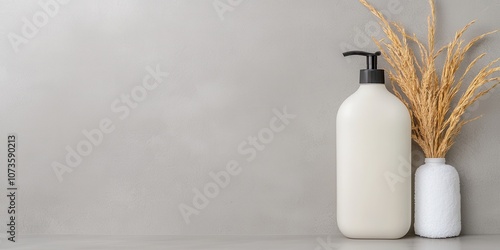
371, 74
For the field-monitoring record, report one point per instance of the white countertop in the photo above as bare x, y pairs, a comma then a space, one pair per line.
476, 242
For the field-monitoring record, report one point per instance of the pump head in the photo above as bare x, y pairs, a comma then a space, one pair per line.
371, 74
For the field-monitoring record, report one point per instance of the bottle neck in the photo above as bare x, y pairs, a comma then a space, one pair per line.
435, 160
372, 87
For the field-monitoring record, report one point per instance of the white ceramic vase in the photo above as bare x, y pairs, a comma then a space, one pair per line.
437, 200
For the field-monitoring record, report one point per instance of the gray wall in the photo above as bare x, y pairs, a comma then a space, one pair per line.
227, 79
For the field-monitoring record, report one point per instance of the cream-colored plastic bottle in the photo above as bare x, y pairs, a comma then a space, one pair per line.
373, 159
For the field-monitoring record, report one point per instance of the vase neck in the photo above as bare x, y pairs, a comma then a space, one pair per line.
435, 160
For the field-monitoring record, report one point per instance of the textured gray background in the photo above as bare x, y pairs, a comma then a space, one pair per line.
226, 76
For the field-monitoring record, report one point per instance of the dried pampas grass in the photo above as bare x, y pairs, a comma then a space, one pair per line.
429, 96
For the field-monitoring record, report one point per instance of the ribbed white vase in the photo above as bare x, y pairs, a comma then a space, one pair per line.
437, 200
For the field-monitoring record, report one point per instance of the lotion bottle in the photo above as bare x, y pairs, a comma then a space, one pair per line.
373, 159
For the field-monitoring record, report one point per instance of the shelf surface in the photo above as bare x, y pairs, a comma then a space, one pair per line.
55, 242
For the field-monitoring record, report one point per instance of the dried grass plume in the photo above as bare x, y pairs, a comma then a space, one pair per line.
429, 96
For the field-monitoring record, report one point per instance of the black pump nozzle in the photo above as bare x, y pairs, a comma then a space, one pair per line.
371, 74
371, 58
